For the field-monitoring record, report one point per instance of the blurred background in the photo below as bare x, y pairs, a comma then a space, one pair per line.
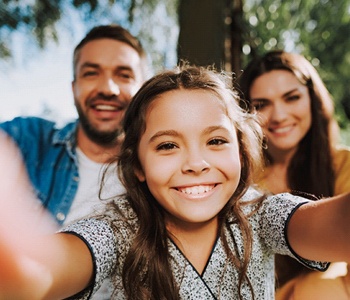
37, 38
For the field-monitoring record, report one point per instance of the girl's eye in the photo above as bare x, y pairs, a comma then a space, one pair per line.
166, 146
217, 141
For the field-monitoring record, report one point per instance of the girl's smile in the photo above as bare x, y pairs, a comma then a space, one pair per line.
189, 155
199, 190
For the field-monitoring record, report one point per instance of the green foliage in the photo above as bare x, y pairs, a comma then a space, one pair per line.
38, 20
318, 29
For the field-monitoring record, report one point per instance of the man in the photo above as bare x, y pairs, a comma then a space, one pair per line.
64, 165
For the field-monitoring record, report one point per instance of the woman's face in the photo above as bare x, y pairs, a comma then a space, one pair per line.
284, 108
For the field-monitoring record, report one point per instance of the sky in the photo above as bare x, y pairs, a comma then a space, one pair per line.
38, 82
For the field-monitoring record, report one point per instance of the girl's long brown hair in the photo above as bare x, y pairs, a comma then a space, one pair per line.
147, 272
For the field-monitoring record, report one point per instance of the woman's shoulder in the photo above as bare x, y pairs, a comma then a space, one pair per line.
315, 286
341, 152
341, 159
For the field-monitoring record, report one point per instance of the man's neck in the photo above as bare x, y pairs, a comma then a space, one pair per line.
96, 152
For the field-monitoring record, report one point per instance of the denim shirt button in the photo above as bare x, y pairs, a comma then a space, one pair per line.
76, 178
60, 216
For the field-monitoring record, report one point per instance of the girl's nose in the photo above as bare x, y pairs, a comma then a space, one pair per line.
195, 163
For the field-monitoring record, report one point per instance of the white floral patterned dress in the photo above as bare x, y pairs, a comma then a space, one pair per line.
219, 280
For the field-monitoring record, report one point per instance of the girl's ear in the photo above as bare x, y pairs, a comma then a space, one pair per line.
140, 175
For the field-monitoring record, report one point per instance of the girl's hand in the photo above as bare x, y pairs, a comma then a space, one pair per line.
22, 222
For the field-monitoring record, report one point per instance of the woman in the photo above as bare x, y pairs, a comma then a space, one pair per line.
296, 114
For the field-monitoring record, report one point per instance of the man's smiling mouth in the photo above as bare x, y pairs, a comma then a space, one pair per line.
103, 107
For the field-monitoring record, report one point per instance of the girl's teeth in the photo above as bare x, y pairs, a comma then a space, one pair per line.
196, 189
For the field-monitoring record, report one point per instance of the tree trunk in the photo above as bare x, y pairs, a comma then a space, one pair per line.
202, 32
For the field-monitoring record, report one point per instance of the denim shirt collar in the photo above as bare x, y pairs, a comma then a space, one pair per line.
67, 136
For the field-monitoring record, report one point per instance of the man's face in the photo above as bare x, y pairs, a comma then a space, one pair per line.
108, 74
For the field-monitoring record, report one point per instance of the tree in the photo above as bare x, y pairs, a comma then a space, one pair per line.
40, 19
241, 29
316, 29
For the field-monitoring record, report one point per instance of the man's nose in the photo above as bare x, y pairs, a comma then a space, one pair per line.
109, 87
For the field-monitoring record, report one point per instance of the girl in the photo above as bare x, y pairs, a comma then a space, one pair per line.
302, 153
188, 226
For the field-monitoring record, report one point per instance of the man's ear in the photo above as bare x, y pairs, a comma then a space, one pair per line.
140, 175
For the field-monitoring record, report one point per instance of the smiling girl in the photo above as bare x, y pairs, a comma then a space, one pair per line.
189, 226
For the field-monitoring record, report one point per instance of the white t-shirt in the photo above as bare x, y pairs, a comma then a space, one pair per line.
87, 196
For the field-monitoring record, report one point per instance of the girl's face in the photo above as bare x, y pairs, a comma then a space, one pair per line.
189, 155
284, 106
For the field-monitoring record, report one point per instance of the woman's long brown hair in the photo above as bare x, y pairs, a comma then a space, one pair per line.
311, 169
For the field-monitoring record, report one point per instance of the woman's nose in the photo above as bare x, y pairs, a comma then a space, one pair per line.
278, 113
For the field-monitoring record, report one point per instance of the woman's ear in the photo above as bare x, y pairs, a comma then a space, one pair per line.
140, 175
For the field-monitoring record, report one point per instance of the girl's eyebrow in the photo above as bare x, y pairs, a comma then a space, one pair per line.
174, 133
163, 133
210, 129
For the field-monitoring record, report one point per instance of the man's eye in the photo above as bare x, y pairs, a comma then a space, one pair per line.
217, 141
126, 76
89, 73
166, 146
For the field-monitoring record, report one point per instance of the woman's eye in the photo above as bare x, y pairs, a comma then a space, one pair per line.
217, 141
259, 105
293, 98
166, 146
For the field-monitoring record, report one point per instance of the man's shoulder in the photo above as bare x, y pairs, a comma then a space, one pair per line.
27, 123
23, 129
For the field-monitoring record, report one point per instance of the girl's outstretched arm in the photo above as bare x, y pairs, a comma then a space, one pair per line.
35, 263
320, 230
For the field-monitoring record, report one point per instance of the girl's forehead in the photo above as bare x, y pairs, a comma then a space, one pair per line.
188, 98
187, 109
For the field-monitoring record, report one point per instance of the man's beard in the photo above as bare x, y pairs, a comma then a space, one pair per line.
103, 138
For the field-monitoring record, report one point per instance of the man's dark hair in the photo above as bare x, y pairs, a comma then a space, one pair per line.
114, 32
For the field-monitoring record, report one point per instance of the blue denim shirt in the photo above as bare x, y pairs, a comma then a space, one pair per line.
49, 154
